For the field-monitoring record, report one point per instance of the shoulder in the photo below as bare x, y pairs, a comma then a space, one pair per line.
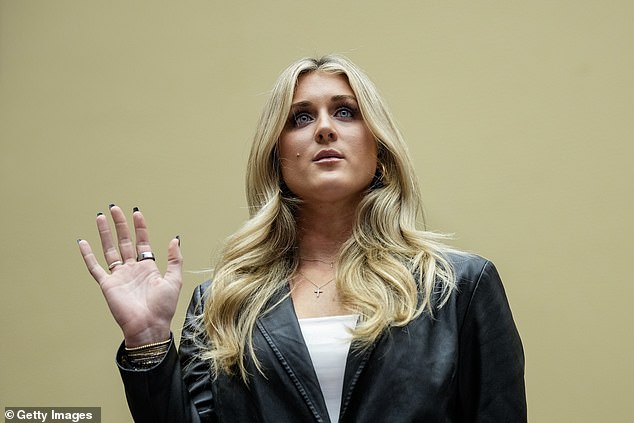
480, 297
466, 264
470, 269
477, 281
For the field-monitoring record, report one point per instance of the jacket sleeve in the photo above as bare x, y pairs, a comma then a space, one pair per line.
178, 389
491, 371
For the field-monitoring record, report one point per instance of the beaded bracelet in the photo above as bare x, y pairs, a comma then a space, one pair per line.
155, 344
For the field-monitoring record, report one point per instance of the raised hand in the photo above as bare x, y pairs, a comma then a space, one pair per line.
141, 300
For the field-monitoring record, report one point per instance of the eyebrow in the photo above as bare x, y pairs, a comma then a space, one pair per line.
334, 98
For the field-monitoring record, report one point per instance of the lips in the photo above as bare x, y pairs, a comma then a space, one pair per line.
327, 154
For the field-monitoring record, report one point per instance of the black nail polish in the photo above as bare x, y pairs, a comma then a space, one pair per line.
135, 209
99, 214
178, 237
111, 205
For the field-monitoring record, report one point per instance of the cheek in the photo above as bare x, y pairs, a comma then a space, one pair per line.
290, 144
287, 159
371, 166
285, 152
370, 153
283, 147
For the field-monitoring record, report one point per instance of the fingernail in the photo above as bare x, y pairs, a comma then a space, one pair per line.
79, 240
178, 237
99, 214
111, 205
135, 209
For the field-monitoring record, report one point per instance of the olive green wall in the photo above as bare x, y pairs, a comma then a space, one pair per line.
519, 116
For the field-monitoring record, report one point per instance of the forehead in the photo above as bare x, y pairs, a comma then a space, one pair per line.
321, 84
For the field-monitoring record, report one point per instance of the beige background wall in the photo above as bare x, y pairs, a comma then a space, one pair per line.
518, 114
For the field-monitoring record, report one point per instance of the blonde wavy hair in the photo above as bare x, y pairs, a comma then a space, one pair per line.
388, 271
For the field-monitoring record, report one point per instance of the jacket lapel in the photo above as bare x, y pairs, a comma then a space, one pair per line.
281, 330
356, 362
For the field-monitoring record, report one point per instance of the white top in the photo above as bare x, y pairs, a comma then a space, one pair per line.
328, 340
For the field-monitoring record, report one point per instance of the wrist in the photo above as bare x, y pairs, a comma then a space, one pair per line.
147, 347
145, 357
147, 337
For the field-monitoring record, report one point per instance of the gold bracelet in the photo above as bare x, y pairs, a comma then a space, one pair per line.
154, 353
155, 344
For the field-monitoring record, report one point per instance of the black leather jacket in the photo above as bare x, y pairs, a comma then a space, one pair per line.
464, 365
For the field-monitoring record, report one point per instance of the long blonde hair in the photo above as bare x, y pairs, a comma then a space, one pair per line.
388, 270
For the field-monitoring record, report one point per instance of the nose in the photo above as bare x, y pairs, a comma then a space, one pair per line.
325, 132
325, 136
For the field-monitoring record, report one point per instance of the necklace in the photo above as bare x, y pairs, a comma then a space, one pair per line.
330, 263
318, 291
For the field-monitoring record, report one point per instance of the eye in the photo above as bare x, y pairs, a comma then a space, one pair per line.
345, 113
301, 119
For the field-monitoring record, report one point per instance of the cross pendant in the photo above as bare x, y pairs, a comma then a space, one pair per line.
318, 291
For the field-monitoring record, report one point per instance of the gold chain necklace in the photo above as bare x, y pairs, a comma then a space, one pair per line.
318, 291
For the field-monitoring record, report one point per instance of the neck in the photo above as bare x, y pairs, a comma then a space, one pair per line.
322, 232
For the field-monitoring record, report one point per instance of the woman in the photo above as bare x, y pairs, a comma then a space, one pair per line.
328, 304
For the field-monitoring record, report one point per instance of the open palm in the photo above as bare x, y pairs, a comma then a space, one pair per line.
142, 301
